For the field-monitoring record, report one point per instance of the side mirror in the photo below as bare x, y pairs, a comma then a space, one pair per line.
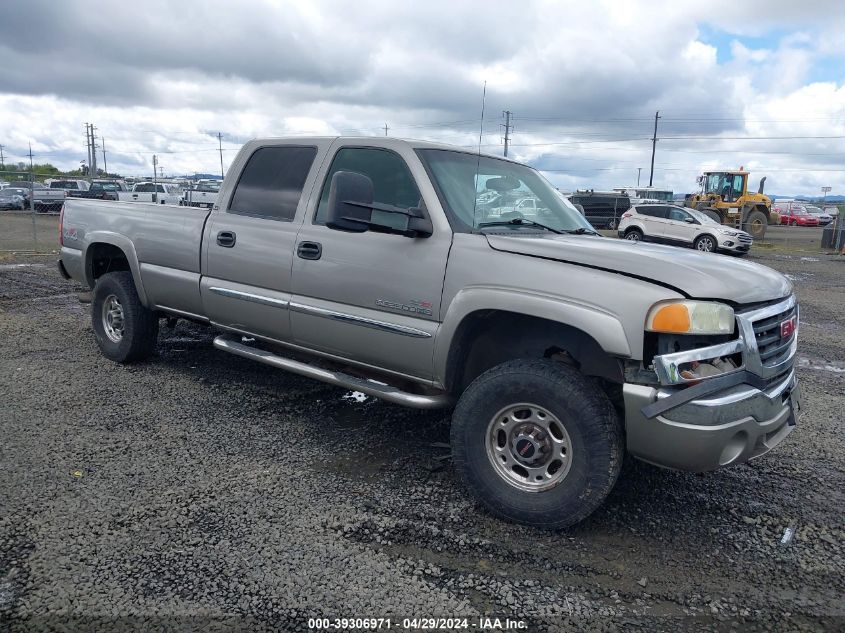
689, 220
351, 208
350, 197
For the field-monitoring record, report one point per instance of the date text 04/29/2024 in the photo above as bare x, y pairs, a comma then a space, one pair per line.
483, 623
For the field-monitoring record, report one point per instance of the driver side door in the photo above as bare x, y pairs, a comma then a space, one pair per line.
370, 297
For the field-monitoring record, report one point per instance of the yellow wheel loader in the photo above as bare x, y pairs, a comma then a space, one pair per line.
724, 197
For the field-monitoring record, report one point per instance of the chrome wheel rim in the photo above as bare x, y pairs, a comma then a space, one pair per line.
705, 244
528, 447
113, 322
633, 236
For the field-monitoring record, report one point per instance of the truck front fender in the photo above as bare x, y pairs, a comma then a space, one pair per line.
603, 326
125, 245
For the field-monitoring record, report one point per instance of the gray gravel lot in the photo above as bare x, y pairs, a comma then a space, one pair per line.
201, 490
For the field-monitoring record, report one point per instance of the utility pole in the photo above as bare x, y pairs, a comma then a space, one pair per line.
653, 148
32, 198
639, 171
105, 163
220, 144
2, 165
92, 150
88, 146
507, 127
93, 153
155, 184
386, 128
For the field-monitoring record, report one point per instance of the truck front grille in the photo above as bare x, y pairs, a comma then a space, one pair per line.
768, 354
771, 347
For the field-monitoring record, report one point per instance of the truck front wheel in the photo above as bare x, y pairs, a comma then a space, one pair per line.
537, 443
125, 330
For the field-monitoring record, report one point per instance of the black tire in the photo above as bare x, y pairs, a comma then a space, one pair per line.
756, 224
580, 406
138, 325
634, 235
713, 215
705, 243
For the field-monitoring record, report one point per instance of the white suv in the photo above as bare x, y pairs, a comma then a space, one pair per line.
677, 225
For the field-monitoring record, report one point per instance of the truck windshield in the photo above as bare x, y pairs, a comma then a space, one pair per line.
476, 191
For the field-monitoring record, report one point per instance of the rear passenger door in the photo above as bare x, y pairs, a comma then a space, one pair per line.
654, 219
249, 243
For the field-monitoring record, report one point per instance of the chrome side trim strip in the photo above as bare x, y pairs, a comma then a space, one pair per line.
248, 296
230, 344
357, 320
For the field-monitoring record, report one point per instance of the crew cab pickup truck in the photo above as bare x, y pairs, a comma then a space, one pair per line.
99, 190
43, 199
156, 192
201, 195
368, 264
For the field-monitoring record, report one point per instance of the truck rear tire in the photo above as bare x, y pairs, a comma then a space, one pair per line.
537, 443
125, 330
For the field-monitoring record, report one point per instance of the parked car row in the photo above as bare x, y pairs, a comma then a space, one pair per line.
797, 213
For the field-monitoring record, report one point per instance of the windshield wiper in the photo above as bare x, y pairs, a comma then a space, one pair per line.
582, 231
519, 222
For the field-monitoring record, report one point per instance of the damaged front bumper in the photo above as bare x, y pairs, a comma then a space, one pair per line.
695, 423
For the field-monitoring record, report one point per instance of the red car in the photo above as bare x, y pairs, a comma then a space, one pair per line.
797, 216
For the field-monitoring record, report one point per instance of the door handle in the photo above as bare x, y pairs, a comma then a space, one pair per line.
309, 250
226, 239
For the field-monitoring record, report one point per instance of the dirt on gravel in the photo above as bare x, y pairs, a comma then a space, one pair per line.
201, 490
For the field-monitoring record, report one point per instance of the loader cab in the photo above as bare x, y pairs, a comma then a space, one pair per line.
730, 185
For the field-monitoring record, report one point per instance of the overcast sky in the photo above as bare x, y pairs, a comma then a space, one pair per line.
759, 83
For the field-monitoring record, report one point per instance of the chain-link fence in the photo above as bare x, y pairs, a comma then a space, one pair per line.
29, 210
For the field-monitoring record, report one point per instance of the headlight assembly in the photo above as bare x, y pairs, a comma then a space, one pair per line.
690, 317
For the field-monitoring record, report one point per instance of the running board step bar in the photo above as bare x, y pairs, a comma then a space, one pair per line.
233, 345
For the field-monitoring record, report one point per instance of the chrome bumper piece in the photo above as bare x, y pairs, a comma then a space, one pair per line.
707, 423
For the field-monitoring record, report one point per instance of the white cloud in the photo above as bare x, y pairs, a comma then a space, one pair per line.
583, 81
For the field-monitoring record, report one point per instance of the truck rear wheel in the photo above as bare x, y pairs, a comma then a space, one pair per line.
756, 224
537, 443
125, 330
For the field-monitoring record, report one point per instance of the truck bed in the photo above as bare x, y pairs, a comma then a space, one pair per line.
167, 241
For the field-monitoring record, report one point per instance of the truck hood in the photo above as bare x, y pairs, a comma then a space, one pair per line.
694, 274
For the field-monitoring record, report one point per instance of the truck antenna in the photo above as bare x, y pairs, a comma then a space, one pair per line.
478, 160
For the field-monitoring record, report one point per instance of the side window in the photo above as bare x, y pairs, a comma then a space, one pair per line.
271, 183
677, 214
393, 183
143, 188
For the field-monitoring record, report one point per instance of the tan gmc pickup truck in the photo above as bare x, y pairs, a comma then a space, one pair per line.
416, 273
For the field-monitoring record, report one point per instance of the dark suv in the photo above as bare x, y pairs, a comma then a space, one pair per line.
603, 209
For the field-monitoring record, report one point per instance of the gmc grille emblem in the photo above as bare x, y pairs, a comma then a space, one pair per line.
787, 328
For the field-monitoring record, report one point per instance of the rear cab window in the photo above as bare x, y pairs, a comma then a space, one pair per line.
271, 183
